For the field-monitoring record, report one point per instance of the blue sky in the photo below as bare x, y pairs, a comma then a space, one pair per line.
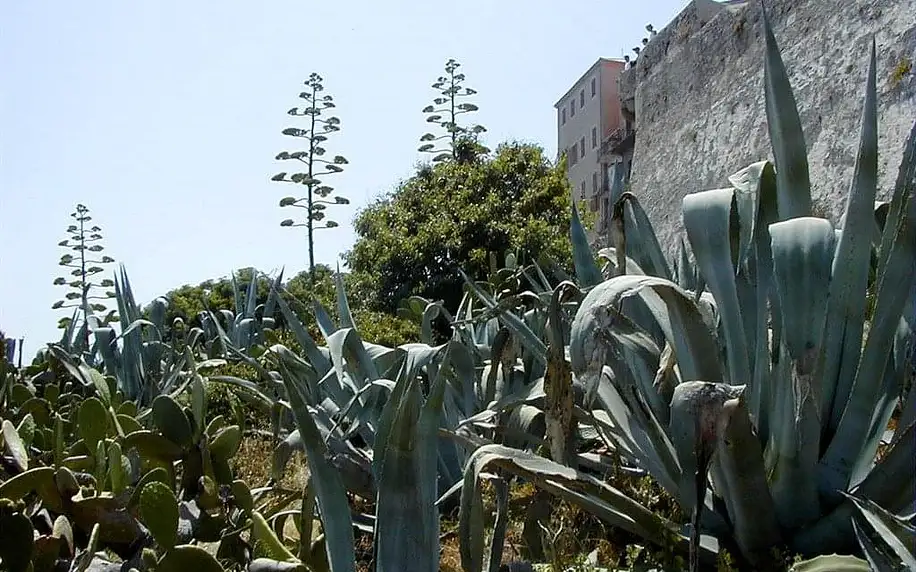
164, 118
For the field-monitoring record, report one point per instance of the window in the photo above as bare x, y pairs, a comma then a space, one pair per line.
582, 98
572, 108
594, 137
582, 147
572, 155
563, 116
594, 87
595, 183
582, 186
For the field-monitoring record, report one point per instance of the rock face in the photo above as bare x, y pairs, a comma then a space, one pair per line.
697, 93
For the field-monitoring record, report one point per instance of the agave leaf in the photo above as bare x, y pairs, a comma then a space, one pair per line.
407, 520
586, 270
273, 295
831, 563
711, 225
643, 436
896, 274
641, 243
739, 468
526, 336
802, 254
789, 151
894, 531
877, 560
890, 484
329, 490
501, 489
758, 270
846, 307
884, 408
675, 310
323, 319
589, 493
343, 307
251, 295
245, 385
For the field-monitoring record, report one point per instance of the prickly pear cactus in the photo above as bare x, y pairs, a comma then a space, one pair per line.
159, 511
171, 421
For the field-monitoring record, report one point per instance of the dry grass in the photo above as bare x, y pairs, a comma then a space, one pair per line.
253, 461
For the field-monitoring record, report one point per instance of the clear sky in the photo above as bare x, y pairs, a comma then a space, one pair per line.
164, 118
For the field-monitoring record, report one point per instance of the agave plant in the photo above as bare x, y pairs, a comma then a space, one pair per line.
779, 398
245, 328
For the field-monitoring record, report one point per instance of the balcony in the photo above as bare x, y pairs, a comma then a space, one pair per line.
618, 141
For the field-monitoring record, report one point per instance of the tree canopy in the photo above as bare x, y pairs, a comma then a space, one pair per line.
453, 215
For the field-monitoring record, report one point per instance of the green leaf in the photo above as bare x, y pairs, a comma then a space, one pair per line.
225, 444
264, 535
171, 421
896, 273
159, 510
894, 531
93, 422
786, 136
586, 269
846, 304
712, 230
640, 241
674, 309
36, 479
17, 542
14, 445
589, 493
188, 557
329, 490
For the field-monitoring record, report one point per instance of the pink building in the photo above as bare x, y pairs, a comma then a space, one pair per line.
593, 132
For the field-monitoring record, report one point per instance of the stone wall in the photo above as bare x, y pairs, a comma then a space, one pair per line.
697, 93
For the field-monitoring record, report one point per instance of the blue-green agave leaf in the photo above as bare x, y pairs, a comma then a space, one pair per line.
789, 151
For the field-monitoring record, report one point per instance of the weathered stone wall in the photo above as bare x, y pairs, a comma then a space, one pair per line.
697, 92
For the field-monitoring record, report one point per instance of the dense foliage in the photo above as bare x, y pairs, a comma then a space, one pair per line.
190, 303
745, 384
454, 215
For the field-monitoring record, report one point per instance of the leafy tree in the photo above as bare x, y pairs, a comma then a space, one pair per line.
453, 215
314, 163
462, 140
84, 267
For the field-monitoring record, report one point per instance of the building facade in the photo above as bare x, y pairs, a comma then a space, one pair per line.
593, 133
